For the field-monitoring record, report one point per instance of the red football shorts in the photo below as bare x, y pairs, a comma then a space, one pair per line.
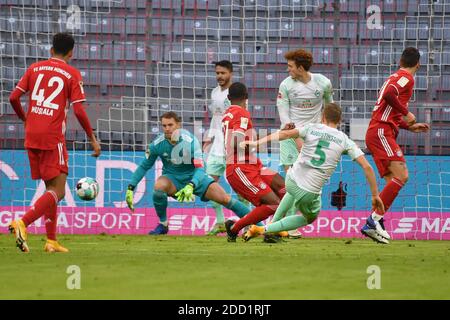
381, 143
251, 184
48, 164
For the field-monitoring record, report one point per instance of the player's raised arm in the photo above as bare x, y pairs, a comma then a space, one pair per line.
276, 136
390, 95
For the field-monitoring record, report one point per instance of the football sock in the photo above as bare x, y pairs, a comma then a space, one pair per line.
258, 214
244, 201
376, 216
160, 203
237, 207
389, 194
286, 205
44, 204
219, 212
51, 222
287, 223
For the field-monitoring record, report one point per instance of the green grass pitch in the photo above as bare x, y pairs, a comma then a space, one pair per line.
168, 267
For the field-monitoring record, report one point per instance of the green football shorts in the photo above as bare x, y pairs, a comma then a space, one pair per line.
306, 202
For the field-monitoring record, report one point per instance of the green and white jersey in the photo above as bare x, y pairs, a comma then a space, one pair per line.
302, 103
219, 103
322, 149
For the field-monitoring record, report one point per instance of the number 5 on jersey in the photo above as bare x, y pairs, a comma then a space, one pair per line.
322, 156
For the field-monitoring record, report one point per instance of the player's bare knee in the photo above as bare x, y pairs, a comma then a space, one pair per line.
226, 198
270, 199
403, 177
222, 198
60, 193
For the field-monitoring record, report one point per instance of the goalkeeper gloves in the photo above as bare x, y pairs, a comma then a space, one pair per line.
186, 194
129, 197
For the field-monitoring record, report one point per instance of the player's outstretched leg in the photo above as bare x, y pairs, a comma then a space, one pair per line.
285, 209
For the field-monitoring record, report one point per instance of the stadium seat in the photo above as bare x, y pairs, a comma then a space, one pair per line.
163, 26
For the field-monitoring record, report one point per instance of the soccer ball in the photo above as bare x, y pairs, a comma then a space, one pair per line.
87, 189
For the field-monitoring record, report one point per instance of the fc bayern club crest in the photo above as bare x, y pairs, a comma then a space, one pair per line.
399, 153
262, 185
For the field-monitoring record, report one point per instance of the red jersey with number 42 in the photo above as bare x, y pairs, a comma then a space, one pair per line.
52, 84
237, 119
403, 82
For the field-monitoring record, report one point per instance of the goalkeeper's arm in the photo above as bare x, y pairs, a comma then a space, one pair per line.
140, 172
145, 165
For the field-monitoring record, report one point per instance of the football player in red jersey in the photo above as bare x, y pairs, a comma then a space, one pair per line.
53, 85
244, 171
391, 113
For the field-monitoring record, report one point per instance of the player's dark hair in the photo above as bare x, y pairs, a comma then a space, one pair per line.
63, 42
226, 64
171, 115
410, 57
332, 113
301, 57
237, 92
